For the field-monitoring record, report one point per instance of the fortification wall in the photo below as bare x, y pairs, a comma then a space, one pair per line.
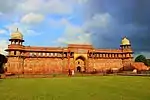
104, 64
43, 65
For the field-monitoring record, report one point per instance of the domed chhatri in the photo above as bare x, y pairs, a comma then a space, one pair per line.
125, 41
17, 35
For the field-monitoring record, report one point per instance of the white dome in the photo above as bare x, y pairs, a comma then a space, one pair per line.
125, 41
17, 35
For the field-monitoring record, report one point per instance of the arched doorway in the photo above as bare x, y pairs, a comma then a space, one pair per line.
80, 64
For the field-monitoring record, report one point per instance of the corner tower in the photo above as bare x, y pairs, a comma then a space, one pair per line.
15, 53
127, 52
16, 44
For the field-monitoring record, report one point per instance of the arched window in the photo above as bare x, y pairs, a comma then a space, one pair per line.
35, 54
47, 54
78, 62
31, 53
55, 54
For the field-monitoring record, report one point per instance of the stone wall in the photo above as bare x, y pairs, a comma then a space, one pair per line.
127, 62
47, 60
37, 65
14, 65
104, 64
43, 65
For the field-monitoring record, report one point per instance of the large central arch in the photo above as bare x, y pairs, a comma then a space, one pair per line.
80, 64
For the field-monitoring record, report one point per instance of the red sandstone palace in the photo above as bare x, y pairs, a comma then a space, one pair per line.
81, 58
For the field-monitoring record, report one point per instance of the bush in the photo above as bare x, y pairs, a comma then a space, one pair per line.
141, 58
54, 75
109, 71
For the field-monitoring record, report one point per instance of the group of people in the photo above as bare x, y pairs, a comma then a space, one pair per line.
70, 72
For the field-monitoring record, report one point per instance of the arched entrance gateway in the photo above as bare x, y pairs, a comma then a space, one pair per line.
80, 64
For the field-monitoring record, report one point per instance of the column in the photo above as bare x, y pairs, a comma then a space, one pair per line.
109, 55
113, 55
103, 55
117, 55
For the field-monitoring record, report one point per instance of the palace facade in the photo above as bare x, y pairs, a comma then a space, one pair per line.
81, 58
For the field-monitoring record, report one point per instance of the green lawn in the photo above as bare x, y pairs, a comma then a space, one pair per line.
76, 88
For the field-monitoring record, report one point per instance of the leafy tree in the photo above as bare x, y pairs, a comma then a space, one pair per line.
141, 58
3, 60
148, 62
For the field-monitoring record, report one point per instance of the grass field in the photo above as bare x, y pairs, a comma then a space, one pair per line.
76, 88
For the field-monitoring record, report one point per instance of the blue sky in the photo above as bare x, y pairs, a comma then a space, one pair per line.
101, 23
42, 22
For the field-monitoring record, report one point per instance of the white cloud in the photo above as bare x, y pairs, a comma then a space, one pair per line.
2, 31
72, 33
24, 29
82, 34
30, 5
98, 21
40, 9
32, 18
74, 39
1, 13
82, 1
40, 6
3, 45
13, 27
46, 6
7, 6
30, 32
58, 23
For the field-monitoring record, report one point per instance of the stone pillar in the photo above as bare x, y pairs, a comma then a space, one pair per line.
100, 55
120, 55
107, 55
110, 55
103, 55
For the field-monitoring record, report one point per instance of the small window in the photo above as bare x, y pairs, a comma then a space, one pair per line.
31, 53
78, 62
14, 52
47, 54
55, 54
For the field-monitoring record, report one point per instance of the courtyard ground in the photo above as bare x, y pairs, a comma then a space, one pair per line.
76, 88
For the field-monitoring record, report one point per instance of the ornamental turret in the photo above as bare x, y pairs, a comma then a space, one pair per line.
125, 43
16, 44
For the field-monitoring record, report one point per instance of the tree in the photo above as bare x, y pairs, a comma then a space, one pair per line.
148, 62
141, 58
3, 60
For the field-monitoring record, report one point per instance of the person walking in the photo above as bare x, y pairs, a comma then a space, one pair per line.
72, 72
69, 72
